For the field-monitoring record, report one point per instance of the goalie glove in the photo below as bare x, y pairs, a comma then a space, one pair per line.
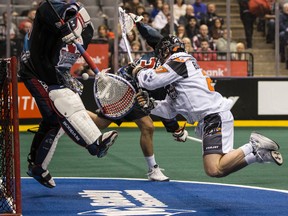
181, 134
73, 28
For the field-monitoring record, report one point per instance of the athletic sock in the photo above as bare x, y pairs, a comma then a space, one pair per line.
250, 158
150, 161
247, 149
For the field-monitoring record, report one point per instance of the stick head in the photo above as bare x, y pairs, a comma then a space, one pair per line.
126, 21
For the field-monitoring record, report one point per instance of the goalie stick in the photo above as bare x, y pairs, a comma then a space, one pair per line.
114, 96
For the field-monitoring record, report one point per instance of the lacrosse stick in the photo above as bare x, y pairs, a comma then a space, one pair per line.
114, 96
127, 24
194, 139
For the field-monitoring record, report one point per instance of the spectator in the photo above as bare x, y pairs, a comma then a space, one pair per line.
216, 30
270, 22
157, 7
34, 5
131, 36
104, 37
146, 18
188, 44
283, 25
240, 52
140, 10
248, 20
222, 44
204, 53
131, 5
181, 32
189, 13
161, 19
209, 17
199, 9
179, 9
27, 27
136, 48
13, 35
30, 18
203, 35
166, 30
192, 28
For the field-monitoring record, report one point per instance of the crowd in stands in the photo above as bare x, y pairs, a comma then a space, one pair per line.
18, 29
195, 22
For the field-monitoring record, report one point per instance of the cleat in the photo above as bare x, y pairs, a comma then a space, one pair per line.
259, 141
266, 156
105, 141
135, 17
40, 175
155, 174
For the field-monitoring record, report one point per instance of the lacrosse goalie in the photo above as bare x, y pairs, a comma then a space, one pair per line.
45, 70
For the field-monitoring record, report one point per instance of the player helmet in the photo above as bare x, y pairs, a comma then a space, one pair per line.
168, 45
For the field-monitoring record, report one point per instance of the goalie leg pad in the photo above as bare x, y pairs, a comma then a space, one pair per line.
73, 116
47, 147
44, 144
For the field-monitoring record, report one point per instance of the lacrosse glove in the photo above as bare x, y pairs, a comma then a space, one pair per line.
181, 134
147, 103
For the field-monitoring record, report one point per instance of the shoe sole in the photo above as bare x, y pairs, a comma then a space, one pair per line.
277, 157
264, 139
104, 152
40, 180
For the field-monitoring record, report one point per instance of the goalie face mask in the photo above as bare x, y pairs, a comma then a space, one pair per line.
168, 46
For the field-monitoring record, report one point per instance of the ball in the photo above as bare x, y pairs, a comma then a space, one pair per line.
85, 76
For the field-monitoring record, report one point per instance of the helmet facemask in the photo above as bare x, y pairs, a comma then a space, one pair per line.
168, 46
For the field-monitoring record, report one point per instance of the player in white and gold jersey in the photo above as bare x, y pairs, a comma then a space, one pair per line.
192, 95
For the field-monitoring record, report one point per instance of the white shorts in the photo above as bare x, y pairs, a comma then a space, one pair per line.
217, 132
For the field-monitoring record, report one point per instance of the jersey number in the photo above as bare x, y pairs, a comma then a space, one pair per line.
208, 80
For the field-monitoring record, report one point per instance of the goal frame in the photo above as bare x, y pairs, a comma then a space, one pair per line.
15, 181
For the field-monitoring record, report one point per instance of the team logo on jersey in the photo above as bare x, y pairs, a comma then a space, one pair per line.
68, 55
127, 202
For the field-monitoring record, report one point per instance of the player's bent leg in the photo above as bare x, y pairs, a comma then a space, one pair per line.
77, 123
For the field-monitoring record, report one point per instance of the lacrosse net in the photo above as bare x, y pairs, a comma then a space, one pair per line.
10, 192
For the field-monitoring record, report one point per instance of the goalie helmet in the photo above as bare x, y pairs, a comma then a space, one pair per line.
168, 45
